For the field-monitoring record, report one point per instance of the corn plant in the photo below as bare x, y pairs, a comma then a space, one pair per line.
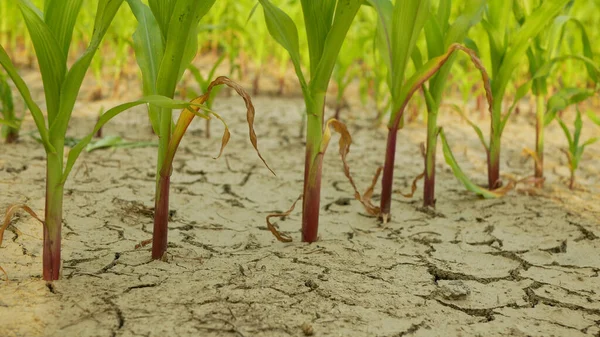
10, 129
327, 23
51, 34
440, 35
399, 28
576, 147
165, 43
542, 53
508, 48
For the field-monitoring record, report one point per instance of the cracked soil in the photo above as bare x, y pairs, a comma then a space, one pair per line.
524, 265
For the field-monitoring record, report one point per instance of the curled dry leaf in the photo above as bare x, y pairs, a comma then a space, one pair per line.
413, 188
188, 114
280, 236
532, 154
250, 111
373, 210
143, 244
344, 149
10, 211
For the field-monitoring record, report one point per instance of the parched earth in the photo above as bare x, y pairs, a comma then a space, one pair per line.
524, 265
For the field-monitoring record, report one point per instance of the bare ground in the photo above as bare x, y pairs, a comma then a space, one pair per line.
523, 265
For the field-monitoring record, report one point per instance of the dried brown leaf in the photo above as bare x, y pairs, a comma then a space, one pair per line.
143, 244
413, 188
344, 149
10, 211
532, 154
250, 111
280, 236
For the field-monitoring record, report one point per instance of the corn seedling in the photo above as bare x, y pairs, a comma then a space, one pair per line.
543, 52
576, 147
51, 35
440, 35
507, 50
399, 27
327, 22
165, 43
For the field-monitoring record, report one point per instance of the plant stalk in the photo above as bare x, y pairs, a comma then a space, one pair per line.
539, 141
161, 198
313, 166
493, 154
388, 174
429, 183
161, 218
53, 217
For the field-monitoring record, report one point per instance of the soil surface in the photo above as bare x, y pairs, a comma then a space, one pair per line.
524, 265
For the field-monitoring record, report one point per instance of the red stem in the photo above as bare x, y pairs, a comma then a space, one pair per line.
161, 218
429, 186
52, 227
12, 136
388, 174
493, 173
312, 197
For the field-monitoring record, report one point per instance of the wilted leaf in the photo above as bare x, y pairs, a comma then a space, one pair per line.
344, 149
280, 236
413, 187
10, 211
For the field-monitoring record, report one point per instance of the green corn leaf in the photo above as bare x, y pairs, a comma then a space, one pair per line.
147, 44
105, 13
149, 50
7, 107
443, 14
566, 131
282, 28
106, 142
52, 61
163, 12
564, 98
434, 37
544, 70
533, 25
476, 128
344, 15
456, 33
36, 112
470, 16
459, 173
182, 31
587, 51
409, 18
521, 93
160, 101
384, 9
318, 17
578, 127
593, 117
11, 124
61, 15
589, 142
